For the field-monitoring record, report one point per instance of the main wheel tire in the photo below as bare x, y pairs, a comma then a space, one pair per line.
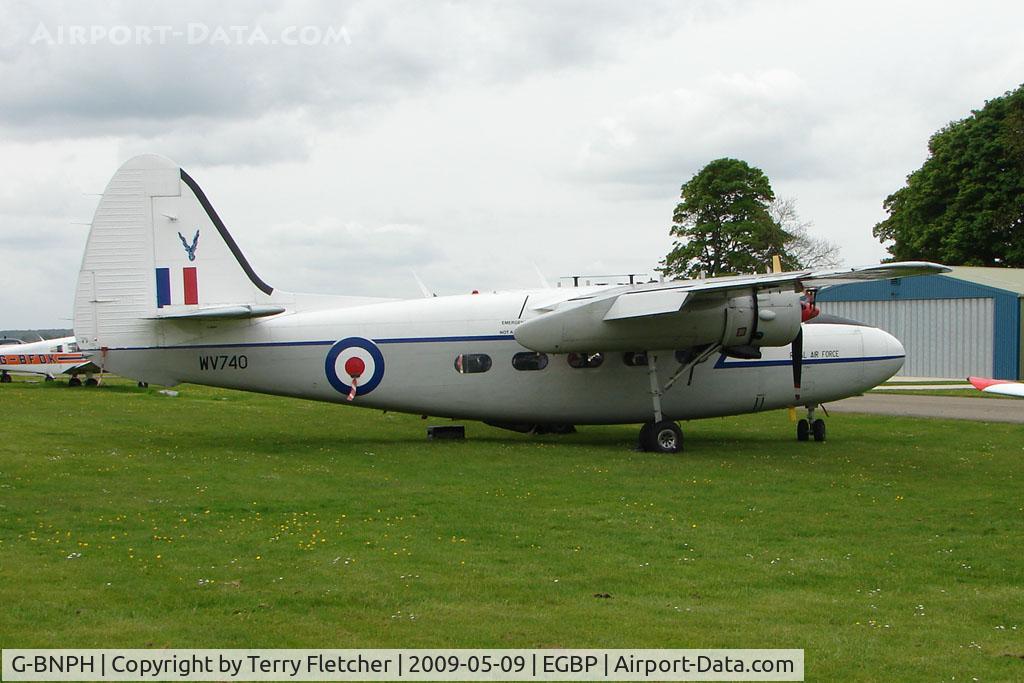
818, 429
91, 382
803, 430
645, 436
74, 381
5, 378
665, 437
143, 385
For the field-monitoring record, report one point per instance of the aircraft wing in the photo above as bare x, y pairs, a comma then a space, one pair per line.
681, 313
87, 366
998, 386
798, 280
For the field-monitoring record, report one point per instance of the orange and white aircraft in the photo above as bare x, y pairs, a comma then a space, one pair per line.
1003, 387
48, 357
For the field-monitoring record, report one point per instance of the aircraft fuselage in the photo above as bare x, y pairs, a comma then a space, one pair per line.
424, 356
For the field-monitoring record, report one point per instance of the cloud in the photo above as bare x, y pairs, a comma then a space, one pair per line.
272, 139
332, 257
769, 118
56, 83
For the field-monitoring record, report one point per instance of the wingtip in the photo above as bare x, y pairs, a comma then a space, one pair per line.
982, 383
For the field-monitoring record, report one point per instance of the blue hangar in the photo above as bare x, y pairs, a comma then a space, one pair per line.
968, 322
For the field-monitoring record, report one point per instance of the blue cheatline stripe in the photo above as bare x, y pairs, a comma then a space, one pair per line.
163, 287
787, 362
327, 342
422, 340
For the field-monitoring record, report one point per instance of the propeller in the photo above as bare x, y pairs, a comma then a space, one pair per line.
798, 361
807, 311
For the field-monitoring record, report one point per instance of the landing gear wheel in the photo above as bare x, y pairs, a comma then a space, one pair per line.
143, 385
74, 382
803, 430
91, 382
665, 437
645, 436
5, 378
818, 429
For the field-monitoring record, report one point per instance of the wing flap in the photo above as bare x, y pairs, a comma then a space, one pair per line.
645, 304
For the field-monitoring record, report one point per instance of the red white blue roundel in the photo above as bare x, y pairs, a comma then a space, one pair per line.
354, 358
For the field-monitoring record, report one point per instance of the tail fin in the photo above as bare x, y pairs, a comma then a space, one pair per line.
157, 249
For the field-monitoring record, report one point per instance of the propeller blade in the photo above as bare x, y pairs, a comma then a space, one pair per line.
798, 361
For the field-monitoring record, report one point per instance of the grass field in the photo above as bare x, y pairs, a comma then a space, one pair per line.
220, 519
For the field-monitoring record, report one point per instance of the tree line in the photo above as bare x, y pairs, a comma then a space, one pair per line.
964, 206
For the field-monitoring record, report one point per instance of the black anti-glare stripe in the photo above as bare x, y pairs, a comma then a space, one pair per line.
225, 235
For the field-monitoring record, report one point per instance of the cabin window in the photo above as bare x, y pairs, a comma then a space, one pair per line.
73, 347
471, 363
529, 360
585, 360
635, 359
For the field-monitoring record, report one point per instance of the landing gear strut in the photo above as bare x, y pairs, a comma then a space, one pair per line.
659, 435
806, 428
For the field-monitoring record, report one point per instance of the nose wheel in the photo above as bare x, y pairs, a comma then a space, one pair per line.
810, 427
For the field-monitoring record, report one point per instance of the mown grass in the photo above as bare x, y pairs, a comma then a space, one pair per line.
222, 519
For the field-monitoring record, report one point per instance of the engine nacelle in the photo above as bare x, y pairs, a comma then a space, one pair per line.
731, 319
762, 319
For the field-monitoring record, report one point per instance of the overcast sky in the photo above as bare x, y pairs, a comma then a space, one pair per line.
469, 141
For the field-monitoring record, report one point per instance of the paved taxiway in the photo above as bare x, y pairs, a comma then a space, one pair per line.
949, 407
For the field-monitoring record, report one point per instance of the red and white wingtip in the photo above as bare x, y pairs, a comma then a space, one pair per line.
1004, 387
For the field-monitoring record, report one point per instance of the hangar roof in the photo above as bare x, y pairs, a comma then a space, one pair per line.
1009, 279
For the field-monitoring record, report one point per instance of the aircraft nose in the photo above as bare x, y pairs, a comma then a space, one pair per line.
884, 351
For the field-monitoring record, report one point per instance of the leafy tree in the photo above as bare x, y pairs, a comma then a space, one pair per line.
965, 205
724, 225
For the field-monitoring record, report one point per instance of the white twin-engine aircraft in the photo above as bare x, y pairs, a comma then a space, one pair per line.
166, 296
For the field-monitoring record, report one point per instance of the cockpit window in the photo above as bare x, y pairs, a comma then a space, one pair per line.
471, 363
529, 360
585, 360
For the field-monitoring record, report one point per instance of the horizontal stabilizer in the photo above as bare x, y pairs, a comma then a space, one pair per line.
239, 312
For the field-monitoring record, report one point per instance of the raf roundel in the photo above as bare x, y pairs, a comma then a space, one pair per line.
354, 362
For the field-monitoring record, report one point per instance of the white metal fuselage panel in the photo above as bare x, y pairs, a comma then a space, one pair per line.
420, 339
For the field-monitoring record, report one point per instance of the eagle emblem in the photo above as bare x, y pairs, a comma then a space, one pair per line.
190, 250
